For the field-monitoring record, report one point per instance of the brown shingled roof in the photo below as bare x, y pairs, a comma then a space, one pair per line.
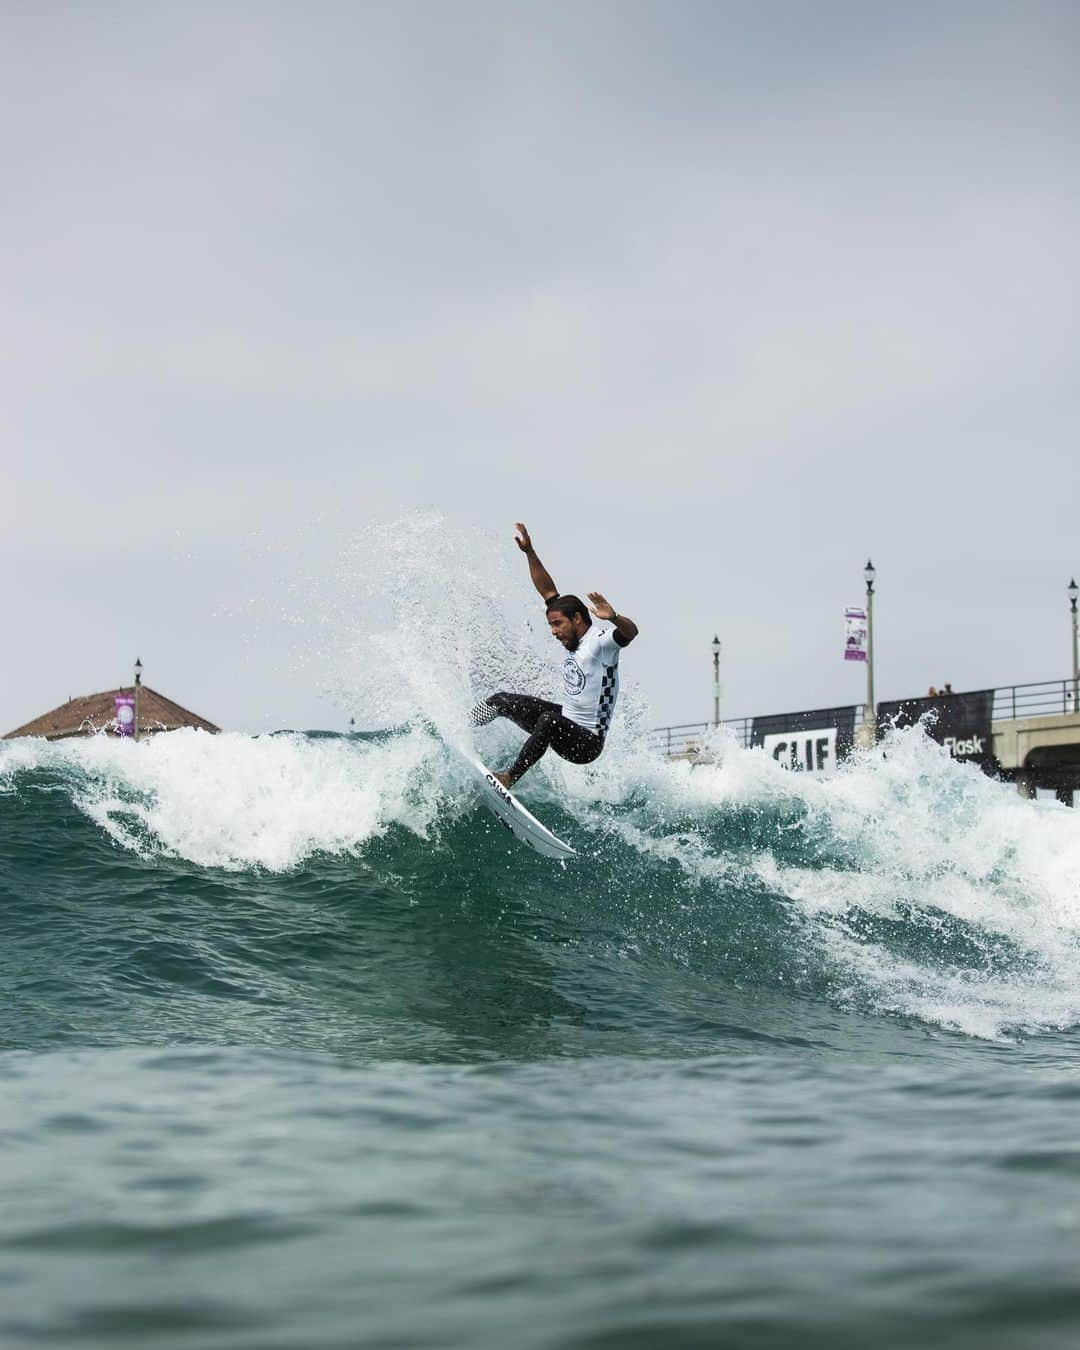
83, 716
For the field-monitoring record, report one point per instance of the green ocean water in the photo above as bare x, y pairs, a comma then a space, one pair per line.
298, 1048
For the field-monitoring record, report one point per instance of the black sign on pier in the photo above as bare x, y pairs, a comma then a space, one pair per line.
962, 723
814, 741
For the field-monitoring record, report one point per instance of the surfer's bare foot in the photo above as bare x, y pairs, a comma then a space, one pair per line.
504, 779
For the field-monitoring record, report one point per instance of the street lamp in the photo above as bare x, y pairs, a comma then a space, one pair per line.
716, 677
1073, 589
138, 690
869, 716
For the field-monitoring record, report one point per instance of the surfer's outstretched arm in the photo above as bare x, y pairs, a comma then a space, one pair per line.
626, 629
541, 577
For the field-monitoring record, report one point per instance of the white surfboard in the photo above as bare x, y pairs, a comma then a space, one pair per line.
522, 824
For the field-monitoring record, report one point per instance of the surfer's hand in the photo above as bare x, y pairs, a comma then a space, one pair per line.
600, 606
523, 541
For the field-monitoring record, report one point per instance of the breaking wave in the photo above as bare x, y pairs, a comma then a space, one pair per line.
905, 886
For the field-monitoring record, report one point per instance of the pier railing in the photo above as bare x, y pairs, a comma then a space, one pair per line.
1043, 698
687, 737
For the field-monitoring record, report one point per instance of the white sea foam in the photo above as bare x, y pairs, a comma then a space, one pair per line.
236, 801
984, 885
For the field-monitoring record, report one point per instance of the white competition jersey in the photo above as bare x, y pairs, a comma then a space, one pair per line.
591, 679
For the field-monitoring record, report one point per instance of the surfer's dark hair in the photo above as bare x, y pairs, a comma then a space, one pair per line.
568, 605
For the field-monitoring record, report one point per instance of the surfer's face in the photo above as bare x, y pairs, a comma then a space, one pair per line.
565, 630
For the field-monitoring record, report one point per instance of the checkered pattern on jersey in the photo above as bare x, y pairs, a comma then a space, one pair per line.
606, 706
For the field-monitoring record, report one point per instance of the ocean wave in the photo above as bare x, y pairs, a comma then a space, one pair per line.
905, 884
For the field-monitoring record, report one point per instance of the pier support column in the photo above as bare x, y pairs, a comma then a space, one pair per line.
1064, 796
1025, 784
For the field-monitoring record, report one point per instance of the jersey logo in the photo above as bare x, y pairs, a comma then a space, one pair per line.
573, 677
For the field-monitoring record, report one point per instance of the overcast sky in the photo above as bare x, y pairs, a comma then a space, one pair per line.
719, 297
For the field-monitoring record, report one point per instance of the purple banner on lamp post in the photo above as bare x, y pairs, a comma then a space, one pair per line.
125, 714
855, 635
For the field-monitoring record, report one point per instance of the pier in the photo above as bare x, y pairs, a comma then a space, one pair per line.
1030, 735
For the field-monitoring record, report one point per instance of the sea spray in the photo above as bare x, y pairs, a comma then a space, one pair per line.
416, 618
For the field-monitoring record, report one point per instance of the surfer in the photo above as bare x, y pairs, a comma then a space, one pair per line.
576, 728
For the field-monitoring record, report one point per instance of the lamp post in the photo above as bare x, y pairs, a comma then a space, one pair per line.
870, 715
1073, 589
716, 675
138, 691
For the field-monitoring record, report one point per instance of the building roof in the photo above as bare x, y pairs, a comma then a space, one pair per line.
94, 712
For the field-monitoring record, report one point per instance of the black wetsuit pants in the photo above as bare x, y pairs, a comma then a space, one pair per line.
547, 727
